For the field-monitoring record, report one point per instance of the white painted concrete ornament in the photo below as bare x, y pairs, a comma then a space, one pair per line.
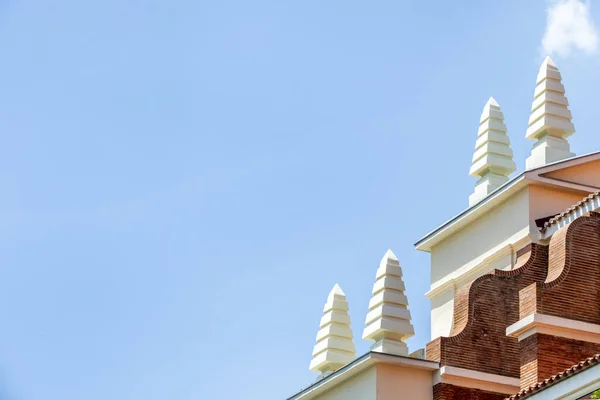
550, 121
388, 321
334, 347
493, 157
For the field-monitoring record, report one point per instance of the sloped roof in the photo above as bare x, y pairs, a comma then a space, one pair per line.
588, 203
583, 365
525, 178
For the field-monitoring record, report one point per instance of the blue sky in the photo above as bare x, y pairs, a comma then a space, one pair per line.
183, 182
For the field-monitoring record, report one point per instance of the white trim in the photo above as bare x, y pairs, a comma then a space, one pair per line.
574, 186
532, 176
569, 162
555, 326
405, 361
471, 213
471, 271
572, 387
359, 365
477, 380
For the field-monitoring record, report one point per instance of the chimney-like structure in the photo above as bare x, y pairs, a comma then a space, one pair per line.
493, 157
550, 121
334, 347
388, 321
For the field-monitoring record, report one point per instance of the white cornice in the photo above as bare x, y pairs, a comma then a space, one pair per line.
570, 162
571, 186
471, 270
532, 176
471, 213
555, 326
477, 380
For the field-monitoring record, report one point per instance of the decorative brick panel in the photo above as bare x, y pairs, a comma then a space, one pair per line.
444, 391
572, 288
562, 280
482, 311
543, 356
570, 291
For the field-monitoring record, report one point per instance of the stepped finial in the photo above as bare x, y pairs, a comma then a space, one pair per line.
388, 321
334, 347
550, 121
493, 157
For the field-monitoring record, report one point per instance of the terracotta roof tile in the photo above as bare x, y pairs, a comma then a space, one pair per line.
570, 210
554, 378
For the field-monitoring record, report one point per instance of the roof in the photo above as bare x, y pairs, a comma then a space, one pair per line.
581, 366
502, 193
581, 207
497, 196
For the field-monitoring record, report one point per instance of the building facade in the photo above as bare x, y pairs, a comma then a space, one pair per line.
515, 282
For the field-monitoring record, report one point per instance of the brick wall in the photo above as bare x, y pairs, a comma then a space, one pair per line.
562, 279
543, 356
444, 391
572, 291
482, 311
572, 288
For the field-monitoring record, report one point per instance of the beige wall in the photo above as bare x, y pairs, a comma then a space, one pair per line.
484, 234
384, 382
442, 311
584, 174
398, 383
546, 202
489, 242
360, 387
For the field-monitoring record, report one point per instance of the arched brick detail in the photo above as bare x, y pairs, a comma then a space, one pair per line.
572, 291
572, 287
482, 311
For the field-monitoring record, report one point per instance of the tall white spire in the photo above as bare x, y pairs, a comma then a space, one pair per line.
550, 121
388, 321
493, 157
334, 347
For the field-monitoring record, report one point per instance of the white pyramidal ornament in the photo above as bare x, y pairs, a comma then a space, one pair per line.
550, 121
388, 321
493, 157
334, 347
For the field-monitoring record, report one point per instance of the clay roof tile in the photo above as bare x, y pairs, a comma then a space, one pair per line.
570, 210
588, 362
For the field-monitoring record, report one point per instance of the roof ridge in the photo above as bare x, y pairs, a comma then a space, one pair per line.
570, 210
580, 366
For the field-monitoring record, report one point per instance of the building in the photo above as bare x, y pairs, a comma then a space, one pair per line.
515, 282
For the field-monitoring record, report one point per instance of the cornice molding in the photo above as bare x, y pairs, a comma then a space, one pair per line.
555, 326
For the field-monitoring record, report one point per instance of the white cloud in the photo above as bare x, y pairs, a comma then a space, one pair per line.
569, 27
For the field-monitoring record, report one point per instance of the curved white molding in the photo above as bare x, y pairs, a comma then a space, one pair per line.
474, 268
